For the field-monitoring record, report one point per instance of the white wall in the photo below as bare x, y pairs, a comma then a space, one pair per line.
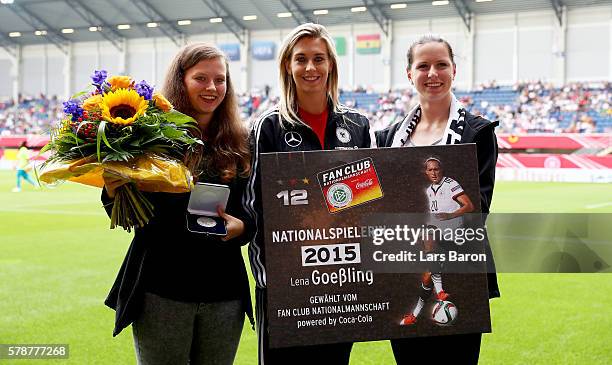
494, 48
535, 45
506, 47
166, 49
265, 72
6, 83
85, 60
588, 44
55, 71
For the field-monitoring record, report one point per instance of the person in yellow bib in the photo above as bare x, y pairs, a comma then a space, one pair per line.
23, 164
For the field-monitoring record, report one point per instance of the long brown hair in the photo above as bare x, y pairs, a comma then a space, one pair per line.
226, 139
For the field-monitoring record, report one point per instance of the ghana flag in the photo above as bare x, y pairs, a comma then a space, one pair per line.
368, 44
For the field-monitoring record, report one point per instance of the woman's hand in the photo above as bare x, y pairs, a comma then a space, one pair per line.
234, 226
444, 216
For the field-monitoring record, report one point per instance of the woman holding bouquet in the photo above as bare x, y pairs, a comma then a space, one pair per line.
309, 117
186, 293
440, 119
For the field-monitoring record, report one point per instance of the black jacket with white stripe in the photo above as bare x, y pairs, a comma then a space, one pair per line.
347, 129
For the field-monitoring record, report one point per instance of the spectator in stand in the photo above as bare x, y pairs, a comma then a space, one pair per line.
267, 91
29, 115
539, 107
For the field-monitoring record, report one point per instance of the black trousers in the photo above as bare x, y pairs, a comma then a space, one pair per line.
452, 349
333, 354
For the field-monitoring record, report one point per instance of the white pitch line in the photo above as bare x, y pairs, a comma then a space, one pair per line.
53, 212
546, 239
595, 206
56, 202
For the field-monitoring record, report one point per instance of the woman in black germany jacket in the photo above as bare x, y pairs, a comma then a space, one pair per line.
309, 117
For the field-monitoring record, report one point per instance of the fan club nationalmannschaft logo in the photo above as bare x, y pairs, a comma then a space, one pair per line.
339, 195
349, 185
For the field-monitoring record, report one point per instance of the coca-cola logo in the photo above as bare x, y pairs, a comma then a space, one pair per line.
365, 184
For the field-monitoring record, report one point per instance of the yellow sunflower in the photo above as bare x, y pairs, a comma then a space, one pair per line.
123, 106
119, 82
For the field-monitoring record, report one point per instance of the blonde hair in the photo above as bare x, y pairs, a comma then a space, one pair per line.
288, 101
227, 151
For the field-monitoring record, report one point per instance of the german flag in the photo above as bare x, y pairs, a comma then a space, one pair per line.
368, 44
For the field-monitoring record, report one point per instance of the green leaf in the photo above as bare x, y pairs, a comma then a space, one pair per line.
171, 132
99, 135
178, 118
149, 138
106, 140
46, 148
118, 156
80, 93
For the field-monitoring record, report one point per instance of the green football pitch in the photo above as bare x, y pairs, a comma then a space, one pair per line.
58, 259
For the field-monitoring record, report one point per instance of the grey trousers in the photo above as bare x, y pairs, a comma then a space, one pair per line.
169, 332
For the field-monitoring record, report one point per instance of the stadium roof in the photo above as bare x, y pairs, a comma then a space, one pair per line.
59, 22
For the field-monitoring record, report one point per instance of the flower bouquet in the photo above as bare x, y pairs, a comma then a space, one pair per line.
122, 130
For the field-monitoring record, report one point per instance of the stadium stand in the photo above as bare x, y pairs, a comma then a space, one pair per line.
29, 115
533, 107
36, 115
541, 127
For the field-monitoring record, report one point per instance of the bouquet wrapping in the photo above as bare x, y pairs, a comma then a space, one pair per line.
122, 131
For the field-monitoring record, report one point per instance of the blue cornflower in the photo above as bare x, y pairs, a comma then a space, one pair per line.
98, 77
72, 107
145, 90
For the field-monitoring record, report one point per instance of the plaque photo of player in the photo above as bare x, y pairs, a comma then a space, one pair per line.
447, 203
